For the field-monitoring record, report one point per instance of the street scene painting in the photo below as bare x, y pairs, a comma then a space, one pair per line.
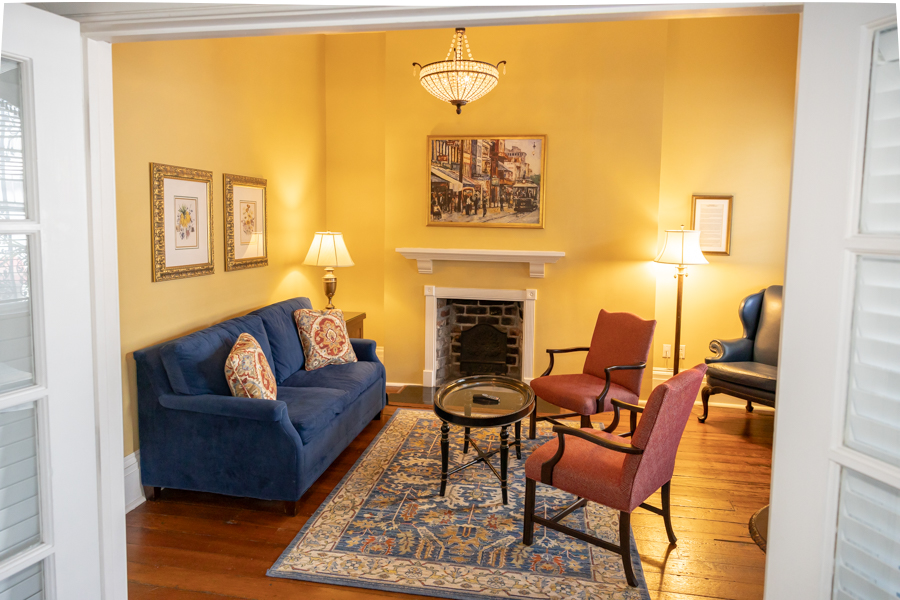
486, 182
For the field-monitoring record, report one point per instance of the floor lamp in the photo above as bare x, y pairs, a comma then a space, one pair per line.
681, 248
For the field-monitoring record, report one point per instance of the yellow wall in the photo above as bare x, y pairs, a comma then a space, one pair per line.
727, 129
638, 115
245, 106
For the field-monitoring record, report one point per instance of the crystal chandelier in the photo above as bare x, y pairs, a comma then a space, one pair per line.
459, 80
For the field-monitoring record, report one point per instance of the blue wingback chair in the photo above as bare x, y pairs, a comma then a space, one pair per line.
195, 436
747, 367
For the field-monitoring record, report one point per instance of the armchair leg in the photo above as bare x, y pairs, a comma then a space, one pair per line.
586, 422
667, 512
528, 521
532, 425
625, 547
749, 406
704, 395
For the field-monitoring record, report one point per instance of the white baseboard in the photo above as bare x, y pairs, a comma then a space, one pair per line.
134, 493
721, 400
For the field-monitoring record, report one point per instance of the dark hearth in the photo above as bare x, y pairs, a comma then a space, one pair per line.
482, 351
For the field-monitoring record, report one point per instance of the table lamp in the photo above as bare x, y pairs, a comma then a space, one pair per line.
328, 250
681, 248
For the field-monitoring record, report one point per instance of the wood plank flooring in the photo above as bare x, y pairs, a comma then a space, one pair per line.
193, 546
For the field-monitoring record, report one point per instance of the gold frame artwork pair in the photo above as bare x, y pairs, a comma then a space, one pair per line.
188, 193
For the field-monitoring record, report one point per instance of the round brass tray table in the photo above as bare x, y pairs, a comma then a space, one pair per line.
460, 403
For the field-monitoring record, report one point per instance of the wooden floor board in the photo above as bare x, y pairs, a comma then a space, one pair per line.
194, 546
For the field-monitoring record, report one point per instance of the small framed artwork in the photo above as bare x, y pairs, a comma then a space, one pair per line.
711, 216
181, 222
486, 181
245, 222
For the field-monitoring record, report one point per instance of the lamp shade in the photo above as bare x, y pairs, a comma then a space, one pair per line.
328, 250
682, 247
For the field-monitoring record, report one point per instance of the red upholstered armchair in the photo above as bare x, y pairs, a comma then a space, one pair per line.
597, 466
613, 368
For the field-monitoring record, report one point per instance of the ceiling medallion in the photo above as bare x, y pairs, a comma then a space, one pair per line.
459, 80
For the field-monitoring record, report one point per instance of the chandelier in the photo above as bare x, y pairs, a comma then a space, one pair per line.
459, 80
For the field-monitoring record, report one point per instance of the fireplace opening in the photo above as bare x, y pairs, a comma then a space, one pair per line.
478, 337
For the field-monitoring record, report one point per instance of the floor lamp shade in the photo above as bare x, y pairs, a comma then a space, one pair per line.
681, 247
328, 250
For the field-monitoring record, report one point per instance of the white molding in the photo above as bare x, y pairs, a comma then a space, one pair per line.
661, 375
121, 22
134, 493
526, 297
105, 317
536, 259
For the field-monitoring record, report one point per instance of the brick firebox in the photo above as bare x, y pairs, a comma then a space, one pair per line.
455, 316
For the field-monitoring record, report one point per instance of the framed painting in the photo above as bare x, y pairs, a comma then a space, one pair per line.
245, 222
487, 181
181, 222
711, 216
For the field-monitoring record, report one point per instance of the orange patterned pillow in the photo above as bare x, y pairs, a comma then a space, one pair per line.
247, 370
324, 337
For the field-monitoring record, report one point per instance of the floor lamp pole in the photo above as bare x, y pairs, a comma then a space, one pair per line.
680, 276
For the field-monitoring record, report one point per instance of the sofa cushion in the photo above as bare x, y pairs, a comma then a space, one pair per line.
351, 377
278, 320
247, 370
312, 409
195, 363
749, 374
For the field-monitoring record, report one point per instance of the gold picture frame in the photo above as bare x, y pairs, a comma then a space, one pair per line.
486, 181
246, 238
180, 219
711, 216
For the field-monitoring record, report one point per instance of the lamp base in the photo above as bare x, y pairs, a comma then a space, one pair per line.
330, 282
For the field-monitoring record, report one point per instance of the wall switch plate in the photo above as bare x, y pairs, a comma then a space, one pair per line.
667, 350
681, 352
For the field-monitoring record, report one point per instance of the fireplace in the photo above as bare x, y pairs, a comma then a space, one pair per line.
472, 331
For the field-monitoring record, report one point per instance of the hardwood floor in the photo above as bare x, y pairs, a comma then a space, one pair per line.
193, 546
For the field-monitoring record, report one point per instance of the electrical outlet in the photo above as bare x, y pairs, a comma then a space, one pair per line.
667, 350
681, 352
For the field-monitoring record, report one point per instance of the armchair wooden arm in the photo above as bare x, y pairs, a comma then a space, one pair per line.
633, 413
563, 431
602, 397
554, 351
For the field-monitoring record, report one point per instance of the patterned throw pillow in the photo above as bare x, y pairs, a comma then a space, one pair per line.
324, 337
247, 370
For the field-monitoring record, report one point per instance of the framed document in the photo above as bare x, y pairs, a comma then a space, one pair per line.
711, 216
181, 221
245, 222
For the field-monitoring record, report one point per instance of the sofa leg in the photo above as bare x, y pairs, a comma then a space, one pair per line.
377, 417
291, 507
704, 395
151, 493
749, 406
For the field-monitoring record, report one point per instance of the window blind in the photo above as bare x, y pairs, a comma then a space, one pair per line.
881, 175
19, 490
27, 584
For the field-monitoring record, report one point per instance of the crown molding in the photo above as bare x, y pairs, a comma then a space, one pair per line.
132, 22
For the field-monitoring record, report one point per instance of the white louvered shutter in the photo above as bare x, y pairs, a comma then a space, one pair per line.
881, 176
19, 494
24, 585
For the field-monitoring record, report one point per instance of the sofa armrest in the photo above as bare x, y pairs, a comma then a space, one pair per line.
737, 350
227, 406
364, 349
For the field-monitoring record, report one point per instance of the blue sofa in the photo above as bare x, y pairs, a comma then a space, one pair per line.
196, 436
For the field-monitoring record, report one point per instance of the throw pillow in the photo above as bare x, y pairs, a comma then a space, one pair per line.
247, 370
324, 337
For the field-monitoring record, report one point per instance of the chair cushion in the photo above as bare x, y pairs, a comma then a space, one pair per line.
354, 378
195, 363
579, 392
749, 374
587, 470
278, 320
312, 409
247, 370
324, 337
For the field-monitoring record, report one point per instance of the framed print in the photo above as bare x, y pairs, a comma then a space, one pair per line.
711, 216
245, 222
486, 181
181, 222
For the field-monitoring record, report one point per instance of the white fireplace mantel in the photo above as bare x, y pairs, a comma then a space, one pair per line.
536, 259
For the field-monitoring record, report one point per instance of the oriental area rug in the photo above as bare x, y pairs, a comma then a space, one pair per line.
385, 526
